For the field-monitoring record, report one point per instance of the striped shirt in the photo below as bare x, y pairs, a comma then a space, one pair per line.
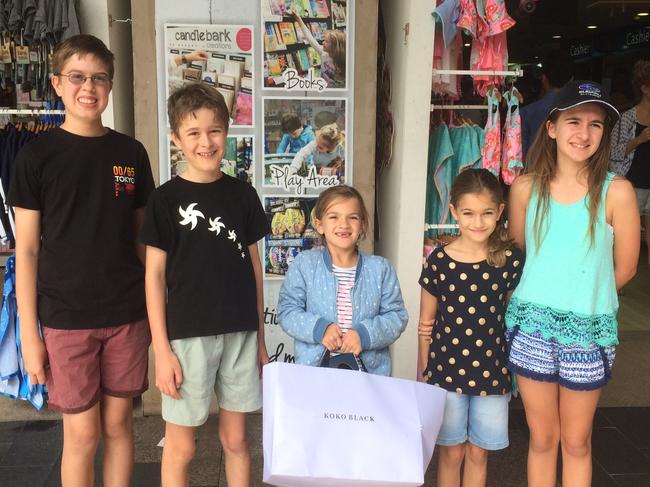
345, 282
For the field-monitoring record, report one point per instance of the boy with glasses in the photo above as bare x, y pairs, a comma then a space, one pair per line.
79, 192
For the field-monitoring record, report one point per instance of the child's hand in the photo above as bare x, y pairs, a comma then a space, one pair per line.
35, 359
351, 343
332, 338
262, 356
425, 328
169, 374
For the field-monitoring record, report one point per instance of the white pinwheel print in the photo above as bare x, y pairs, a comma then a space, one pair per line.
232, 235
190, 215
216, 225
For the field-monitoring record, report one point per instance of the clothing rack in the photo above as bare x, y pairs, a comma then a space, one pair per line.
459, 107
28, 111
518, 72
440, 226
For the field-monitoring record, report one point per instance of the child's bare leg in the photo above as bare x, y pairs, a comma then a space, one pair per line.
450, 459
232, 433
81, 433
541, 402
117, 430
475, 468
177, 454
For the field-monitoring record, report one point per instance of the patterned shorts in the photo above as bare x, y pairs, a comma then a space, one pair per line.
571, 366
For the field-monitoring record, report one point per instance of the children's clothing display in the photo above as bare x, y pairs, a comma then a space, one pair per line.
581, 307
468, 350
206, 229
451, 150
511, 155
378, 312
14, 380
491, 150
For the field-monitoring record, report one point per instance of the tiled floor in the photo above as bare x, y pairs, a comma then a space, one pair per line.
30, 452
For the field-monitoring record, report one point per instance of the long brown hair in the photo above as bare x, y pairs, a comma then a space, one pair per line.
542, 167
476, 181
337, 50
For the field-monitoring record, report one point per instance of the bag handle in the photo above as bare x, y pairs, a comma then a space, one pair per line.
347, 361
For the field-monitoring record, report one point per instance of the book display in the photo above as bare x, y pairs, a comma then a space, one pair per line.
295, 36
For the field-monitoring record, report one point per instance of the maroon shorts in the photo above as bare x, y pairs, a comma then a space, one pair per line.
84, 364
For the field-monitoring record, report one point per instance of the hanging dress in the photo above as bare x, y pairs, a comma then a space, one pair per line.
512, 159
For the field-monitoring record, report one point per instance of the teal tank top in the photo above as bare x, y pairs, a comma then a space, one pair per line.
567, 290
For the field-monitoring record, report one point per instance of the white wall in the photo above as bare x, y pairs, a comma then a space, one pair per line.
401, 191
93, 19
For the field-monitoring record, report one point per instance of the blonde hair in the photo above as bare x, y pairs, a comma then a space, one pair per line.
477, 181
331, 134
330, 195
337, 50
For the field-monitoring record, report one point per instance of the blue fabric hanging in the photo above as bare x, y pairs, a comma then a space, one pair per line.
14, 381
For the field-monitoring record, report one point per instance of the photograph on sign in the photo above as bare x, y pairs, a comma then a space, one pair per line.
237, 159
305, 44
304, 143
221, 56
291, 232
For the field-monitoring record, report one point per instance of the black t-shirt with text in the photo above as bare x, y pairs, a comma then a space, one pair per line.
86, 190
205, 229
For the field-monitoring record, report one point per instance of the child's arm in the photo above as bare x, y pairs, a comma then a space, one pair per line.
262, 353
284, 144
383, 329
169, 375
428, 309
519, 195
294, 319
301, 157
28, 244
138, 220
621, 198
307, 34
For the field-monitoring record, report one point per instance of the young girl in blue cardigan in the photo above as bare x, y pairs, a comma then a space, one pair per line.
335, 297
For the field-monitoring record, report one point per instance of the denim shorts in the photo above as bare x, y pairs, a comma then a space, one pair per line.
483, 420
571, 366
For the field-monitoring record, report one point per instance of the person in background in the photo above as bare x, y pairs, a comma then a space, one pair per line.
556, 71
630, 155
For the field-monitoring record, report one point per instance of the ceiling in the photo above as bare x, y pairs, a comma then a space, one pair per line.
533, 34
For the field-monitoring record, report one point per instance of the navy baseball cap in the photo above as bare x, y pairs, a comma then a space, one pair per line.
578, 92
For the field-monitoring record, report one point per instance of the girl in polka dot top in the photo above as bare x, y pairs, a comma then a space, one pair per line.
465, 288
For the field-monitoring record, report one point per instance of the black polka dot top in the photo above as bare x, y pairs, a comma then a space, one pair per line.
468, 350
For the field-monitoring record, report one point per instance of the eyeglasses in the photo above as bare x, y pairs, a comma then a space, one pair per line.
80, 79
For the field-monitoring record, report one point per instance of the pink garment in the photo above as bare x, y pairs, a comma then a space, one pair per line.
470, 20
448, 85
512, 158
489, 54
491, 150
497, 17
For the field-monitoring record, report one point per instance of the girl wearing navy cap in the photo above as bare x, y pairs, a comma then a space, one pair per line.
579, 225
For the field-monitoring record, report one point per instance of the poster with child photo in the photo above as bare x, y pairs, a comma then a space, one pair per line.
305, 144
291, 232
220, 56
305, 44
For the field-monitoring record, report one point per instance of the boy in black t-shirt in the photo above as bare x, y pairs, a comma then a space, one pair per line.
204, 289
79, 192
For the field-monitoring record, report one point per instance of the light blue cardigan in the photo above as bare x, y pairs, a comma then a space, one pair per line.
307, 305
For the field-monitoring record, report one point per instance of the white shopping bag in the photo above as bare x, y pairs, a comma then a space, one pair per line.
329, 427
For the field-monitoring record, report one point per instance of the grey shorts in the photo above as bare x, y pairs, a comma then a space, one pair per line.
643, 199
227, 364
